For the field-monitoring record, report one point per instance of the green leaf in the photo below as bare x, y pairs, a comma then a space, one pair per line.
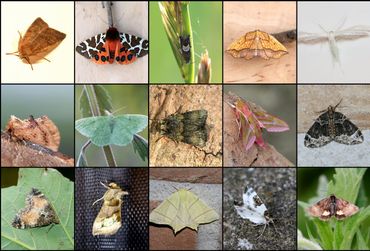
140, 146
102, 97
60, 193
112, 130
306, 244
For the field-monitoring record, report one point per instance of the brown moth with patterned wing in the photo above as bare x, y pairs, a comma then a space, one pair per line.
332, 125
332, 206
38, 41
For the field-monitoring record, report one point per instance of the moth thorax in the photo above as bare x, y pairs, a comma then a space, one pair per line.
333, 203
112, 34
267, 216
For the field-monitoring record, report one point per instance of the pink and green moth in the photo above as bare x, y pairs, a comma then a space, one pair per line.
251, 118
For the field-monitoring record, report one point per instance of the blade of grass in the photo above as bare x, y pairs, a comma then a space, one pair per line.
176, 21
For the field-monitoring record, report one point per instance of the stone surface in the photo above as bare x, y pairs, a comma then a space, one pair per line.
277, 189
193, 175
209, 236
334, 154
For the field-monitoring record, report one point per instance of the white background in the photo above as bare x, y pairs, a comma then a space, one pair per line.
315, 64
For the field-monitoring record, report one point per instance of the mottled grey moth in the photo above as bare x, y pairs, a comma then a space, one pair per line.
188, 127
332, 125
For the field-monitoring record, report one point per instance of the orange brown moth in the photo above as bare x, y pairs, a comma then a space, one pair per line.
113, 46
41, 131
37, 213
332, 206
108, 221
38, 41
257, 44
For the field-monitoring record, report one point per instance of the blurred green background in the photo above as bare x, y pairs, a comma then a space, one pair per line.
308, 182
279, 101
126, 99
206, 21
55, 101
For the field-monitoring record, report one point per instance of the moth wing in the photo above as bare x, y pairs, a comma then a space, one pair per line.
346, 132
271, 123
138, 46
345, 209
98, 129
253, 201
125, 126
34, 30
318, 134
353, 32
318, 209
92, 47
250, 215
311, 38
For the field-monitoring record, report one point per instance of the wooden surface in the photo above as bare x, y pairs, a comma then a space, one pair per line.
315, 98
271, 17
165, 100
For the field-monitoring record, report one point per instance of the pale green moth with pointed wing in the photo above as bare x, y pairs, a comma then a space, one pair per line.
112, 130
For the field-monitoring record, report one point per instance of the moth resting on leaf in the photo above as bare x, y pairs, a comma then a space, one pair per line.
37, 213
113, 46
183, 209
251, 118
332, 206
332, 125
188, 127
253, 209
41, 131
38, 41
108, 221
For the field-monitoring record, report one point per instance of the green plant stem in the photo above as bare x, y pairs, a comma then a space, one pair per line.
189, 77
94, 106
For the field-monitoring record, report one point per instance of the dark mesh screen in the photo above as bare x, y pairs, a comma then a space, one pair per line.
134, 231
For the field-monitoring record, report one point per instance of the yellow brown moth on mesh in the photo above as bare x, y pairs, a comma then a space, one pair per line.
38, 41
108, 221
41, 131
37, 213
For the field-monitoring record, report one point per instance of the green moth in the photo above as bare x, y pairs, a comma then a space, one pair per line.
112, 130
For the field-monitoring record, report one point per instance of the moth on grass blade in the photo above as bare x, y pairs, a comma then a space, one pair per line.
332, 206
38, 41
37, 213
188, 127
251, 118
108, 221
112, 130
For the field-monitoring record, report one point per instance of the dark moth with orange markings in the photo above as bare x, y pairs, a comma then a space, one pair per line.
113, 46
332, 206
38, 41
37, 213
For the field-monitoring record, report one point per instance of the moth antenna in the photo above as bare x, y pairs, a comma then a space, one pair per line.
344, 19
323, 29
97, 200
104, 185
338, 103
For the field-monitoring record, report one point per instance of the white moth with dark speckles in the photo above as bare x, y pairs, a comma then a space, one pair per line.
253, 209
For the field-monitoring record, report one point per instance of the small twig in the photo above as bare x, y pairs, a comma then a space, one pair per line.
109, 12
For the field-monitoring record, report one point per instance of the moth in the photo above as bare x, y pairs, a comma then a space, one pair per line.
38, 41
332, 125
188, 127
253, 209
185, 47
251, 118
257, 44
183, 209
113, 46
351, 33
332, 206
108, 221
41, 131
37, 213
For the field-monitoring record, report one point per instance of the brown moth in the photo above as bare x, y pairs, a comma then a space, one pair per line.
37, 213
41, 131
332, 206
38, 41
108, 221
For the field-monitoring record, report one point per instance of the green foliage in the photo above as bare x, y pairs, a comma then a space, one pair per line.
60, 192
140, 146
341, 235
103, 97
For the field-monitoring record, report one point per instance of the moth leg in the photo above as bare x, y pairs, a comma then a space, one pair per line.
46, 59
264, 228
